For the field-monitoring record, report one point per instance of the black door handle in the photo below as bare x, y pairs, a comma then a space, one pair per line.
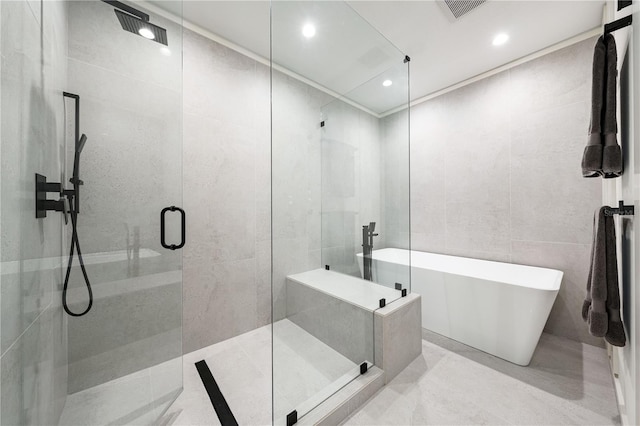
183, 218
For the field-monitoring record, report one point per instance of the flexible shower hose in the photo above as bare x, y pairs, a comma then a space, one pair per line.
75, 243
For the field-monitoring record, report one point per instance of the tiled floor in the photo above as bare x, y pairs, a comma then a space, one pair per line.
566, 383
138, 398
304, 368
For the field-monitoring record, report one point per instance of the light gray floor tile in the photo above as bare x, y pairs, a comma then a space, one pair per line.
566, 383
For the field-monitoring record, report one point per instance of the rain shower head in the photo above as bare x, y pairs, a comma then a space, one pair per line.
142, 28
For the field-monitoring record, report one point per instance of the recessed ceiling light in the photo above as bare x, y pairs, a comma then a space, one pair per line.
387, 83
500, 39
146, 33
309, 30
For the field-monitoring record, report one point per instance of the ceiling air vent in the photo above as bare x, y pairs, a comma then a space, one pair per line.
457, 8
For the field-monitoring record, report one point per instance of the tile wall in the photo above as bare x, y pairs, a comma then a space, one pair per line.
495, 174
33, 343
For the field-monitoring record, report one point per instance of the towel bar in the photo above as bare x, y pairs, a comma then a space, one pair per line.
621, 210
616, 25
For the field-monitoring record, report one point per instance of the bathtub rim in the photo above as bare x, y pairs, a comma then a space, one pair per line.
555, 286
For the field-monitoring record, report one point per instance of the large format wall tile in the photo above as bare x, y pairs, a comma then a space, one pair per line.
495, 174
26, 290
551, 201
143, 329
350, 189
227, 279
238, 178
477, 210
218, 82
560, 78
219, 303
219, 189
429, 135
96, 37
394, 186
33, 343
477, 162
28, 376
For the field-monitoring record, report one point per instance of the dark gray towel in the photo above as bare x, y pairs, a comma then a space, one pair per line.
611, 153
601, 307
594, 308
602, 155
615, 330
592, 157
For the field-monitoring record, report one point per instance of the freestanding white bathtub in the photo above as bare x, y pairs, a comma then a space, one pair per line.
499, 308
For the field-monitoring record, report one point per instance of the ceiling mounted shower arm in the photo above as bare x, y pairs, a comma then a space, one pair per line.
128, 9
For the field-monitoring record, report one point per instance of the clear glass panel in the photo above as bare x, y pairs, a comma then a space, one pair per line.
365, 182
125, 354
33, 327
329, 177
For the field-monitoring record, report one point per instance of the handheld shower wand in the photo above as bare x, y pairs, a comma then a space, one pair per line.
73, 195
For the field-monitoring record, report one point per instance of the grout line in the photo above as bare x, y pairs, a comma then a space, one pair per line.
510, 167
550, 242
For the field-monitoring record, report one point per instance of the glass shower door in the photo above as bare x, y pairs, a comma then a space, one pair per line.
329, 150
125, 354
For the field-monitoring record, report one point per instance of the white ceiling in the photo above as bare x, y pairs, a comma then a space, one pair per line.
443, 52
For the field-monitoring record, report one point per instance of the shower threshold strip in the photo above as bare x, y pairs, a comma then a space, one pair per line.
223, 411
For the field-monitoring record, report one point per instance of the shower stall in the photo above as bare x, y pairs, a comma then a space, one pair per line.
71, 69
124, 359
338, 160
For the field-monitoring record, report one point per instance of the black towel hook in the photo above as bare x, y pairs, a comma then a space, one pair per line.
622, 210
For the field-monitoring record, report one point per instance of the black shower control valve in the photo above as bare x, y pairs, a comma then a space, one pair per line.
43, 205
